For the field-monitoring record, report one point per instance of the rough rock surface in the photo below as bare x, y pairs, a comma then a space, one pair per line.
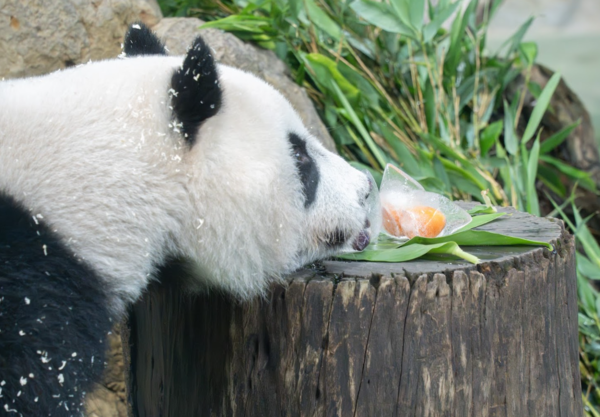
40, 36
109, 398
178, 34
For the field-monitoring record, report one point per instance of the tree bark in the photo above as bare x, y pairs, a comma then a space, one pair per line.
431, 337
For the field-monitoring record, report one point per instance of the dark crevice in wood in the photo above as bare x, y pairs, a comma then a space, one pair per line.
408, 303
324, 350
362, 373
557, 358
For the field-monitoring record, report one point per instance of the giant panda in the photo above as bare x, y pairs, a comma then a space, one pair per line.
110, 170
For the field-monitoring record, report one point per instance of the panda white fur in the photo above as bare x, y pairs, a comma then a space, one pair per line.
112, 169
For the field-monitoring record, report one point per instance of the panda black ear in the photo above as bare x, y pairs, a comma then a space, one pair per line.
195, 90
140, 40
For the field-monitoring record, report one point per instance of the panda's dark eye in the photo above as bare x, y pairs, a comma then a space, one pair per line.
307, 169
301, 156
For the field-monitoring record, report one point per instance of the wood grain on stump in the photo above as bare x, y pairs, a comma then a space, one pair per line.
425, 338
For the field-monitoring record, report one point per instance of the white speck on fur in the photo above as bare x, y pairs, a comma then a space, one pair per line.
61, 367
39, 216
45, 248
36, 399
9, 410
136, 26
200, 223
23, 381
61, 379
3, 383
31, 376
74, 354
22, 333
27, 301
35, 220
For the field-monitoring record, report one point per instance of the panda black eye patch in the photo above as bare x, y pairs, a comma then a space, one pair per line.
309, 174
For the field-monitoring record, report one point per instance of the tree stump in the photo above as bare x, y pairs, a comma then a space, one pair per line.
435, 337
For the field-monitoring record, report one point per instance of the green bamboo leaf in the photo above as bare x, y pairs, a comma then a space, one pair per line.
429, 104
587, 297
535, 89
459, 26
490, 136
582, 233
417, 12
245, 23
326, 71
382, 16
322, 20
533, 205
540, 108
410, 252
529, 51
482, 209
583, 177
406, 160
515, 40
552, 180
436, 23
510, 138
466, 173
479, 238
359, 125
494, 8
558, 138
481, 220
586, 267
441, 173
402, 11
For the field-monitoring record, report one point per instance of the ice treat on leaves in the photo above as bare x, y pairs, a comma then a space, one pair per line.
408, 210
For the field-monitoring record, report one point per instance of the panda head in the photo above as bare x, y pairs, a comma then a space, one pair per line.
266, 197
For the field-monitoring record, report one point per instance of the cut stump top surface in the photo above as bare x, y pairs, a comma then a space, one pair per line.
515, 223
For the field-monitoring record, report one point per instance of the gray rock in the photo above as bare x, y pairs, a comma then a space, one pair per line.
178, 34
40, 36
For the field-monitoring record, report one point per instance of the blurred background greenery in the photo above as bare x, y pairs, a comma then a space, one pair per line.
566, 32
455, 101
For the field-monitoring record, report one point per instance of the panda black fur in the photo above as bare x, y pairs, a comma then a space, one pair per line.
109, 170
